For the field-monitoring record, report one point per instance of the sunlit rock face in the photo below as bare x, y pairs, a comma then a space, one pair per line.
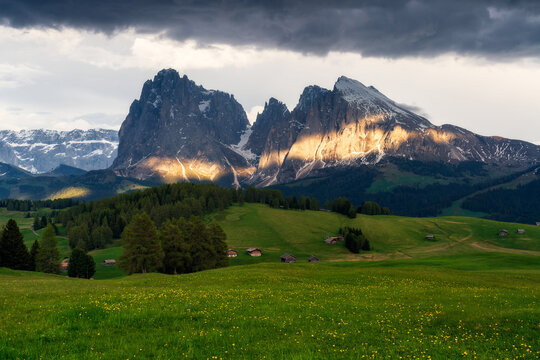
354, 124
178, 130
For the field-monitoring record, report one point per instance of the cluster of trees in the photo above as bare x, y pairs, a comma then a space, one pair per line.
275, 199
343, 206
95, 224
43, 256
355, 240
33, 205
372, 208
179, 246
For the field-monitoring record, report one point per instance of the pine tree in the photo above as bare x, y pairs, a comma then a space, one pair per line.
142, 250
48, 255
175, 244
81, 265
13, 252
33, 255
218, 240
37, 223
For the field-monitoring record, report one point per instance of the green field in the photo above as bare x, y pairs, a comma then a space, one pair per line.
302, 234
468, 294
483, 306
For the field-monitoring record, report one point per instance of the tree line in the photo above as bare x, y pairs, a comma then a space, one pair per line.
34, 205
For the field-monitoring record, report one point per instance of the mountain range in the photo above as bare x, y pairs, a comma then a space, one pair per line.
348, 141
40, 151
178, 130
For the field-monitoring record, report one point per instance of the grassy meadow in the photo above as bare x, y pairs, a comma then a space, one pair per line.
469, 294
483, 306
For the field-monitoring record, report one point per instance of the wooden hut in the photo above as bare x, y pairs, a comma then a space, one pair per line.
430, 237
313, 259
109, 262
503, 232
231, 253
64, 264
537, 223
254, 252
288, 258
333, 239
521, 231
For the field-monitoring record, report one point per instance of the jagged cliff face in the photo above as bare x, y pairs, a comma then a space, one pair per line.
39, 151
354, 124
178, 130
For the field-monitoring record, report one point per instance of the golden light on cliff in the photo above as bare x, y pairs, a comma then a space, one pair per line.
180, 169
441, 137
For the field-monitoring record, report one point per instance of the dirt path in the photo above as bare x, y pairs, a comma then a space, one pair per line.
493, 248
35, 233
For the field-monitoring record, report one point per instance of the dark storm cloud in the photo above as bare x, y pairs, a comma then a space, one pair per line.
373, 28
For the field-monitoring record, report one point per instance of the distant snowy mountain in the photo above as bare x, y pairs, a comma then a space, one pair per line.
41, 151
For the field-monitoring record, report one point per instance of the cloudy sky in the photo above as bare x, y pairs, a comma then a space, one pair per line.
79, 64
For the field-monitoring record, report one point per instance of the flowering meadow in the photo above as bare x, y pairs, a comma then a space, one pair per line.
479, 306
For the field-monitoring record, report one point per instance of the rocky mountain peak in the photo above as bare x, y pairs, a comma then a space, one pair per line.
179, 130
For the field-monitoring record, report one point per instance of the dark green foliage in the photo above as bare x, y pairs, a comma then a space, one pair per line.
13, 252
373, 208
190, 245
33, 205
101, 236
355, 240
343, 206
521, 204
78, 235
37, 223
33, 255
81, 265
434, 168
142, 250
47, 259
162, 203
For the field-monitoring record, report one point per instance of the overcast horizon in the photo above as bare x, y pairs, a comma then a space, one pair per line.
68, 65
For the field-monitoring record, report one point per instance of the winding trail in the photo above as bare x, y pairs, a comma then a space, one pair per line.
493, 248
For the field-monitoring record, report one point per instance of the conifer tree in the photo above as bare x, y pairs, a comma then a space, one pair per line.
142, 250
37, 223
48, 255
81, 265
33, 255
175, 244
13, 252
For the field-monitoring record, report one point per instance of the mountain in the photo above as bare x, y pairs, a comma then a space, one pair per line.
349, 141
178, 130
40, 151
8, 171
353, 125
65, 170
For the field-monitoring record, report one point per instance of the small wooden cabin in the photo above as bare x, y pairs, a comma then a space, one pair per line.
64, 264
109, 262
503, 232
288, 258
333, 239
430, 237
537, 223
254, 252
231, 253
521, 231
313, 259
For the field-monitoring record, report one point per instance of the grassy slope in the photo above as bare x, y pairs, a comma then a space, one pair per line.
464, 306
302, 233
